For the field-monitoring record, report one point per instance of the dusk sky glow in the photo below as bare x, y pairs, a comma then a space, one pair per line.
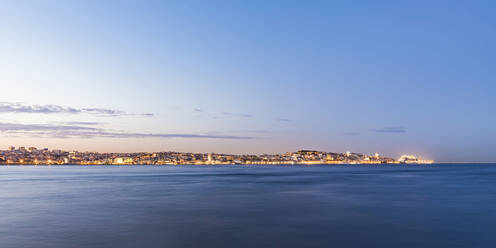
392, 77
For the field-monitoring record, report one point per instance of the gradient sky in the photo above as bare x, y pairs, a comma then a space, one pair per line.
392, 77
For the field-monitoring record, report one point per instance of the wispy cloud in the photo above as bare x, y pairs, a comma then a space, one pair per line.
283, 120
214, 115
82, 123
103, 111
16, 107
395, 129
80, 131
178, 135
237, 115
258, 131
16, 127
352, 133
252, 131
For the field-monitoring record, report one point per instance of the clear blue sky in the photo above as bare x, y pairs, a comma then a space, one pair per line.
391, 77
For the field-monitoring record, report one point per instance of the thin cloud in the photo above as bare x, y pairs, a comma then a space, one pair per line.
79, 131
283, 120
82, 123
103, 111
237, 115
180, 135
252, 131
15, 127
396, 129
352, 133
216, 116
15, 107
258, 131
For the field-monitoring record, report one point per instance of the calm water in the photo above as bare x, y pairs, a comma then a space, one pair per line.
239, 206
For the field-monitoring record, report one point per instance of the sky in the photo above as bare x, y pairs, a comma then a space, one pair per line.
393, 77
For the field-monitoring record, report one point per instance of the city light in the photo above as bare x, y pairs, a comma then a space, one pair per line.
305, 157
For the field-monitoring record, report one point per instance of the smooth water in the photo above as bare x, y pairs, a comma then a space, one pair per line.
248, 206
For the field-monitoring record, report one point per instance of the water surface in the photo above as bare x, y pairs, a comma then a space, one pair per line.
248, 206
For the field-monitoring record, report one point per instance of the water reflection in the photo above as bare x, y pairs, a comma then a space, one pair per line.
240, 206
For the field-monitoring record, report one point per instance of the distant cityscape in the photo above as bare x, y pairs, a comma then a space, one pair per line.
35, 156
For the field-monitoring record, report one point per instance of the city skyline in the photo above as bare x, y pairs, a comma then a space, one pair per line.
250, 77
45, 156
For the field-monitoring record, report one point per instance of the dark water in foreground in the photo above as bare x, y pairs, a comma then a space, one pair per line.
239, 206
